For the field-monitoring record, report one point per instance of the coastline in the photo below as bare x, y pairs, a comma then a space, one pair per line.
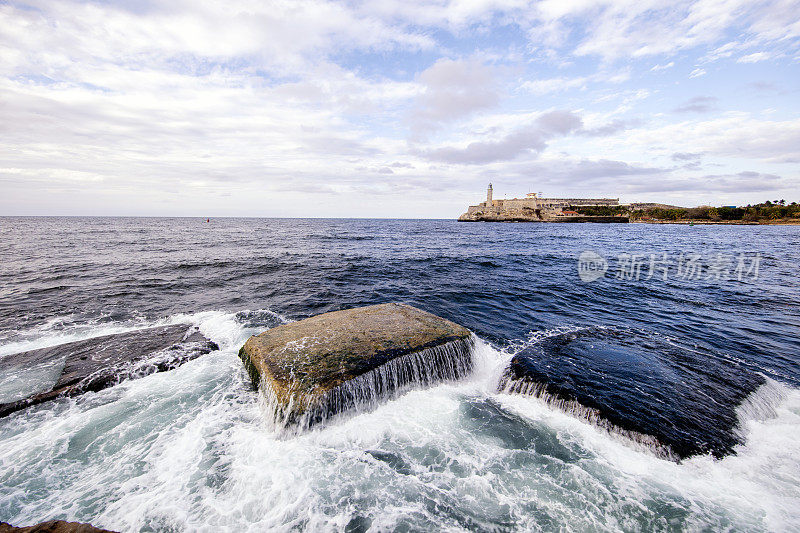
720, 222
560, 220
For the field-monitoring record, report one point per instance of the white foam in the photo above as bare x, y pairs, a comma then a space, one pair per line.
20, 382
34, 340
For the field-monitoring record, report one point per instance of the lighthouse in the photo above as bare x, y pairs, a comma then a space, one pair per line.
489, 196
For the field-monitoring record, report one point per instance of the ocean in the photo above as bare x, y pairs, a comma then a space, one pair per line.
688, 334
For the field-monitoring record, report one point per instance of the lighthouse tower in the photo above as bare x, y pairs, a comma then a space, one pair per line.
489, 196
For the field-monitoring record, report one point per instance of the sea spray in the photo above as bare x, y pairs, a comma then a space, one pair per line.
759, 405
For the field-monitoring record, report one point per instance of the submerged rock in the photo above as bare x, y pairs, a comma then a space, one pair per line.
95, 364
53, 526
317, 367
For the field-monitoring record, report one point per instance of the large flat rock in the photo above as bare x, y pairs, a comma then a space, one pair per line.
36, 376
320, 366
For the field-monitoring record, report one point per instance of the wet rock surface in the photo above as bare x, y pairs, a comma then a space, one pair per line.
317, 367
100, 362
53, 526
643, 387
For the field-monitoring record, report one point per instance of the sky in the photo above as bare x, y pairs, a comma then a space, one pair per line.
393, 108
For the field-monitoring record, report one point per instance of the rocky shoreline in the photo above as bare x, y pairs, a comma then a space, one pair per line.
53, 526
556, 220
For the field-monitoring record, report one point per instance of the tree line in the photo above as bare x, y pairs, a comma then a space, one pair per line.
765, 211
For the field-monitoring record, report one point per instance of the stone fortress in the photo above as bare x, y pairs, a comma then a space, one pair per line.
532, 208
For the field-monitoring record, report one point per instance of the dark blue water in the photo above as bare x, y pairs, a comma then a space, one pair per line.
672, 358
503, 281
500, 280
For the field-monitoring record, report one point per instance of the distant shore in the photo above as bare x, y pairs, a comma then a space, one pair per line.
790, 222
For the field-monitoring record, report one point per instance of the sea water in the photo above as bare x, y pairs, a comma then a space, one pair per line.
192, 450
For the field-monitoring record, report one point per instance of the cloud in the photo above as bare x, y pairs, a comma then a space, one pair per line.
656, 68
737, 136
611, 30
144, 103
754, 58
745, 181
604, 177
741, 182
452, 90
615, 126
621, 30
339, 146
587, 170
696, 73
560, 84
177, 33
565, 176
698, 104
763, 86
553, 85
686, 156
532, 138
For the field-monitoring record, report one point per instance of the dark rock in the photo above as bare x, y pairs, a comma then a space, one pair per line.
317, 367
101, 362
665, 394
53, 526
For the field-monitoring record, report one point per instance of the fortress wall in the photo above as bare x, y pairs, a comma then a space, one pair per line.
523, 208
580, 201
519, 203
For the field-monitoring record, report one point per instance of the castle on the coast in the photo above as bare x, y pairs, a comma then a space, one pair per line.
535, 209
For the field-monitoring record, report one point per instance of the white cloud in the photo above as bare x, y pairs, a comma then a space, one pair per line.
451, 90
276, 33
528, 139
736, 136
553, 85
557, 85
754, 58
696, 73
656, 68
619, 29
